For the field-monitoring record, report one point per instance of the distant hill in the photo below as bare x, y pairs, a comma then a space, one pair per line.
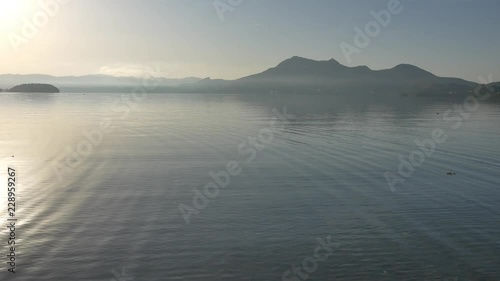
34, 88
303, 75
88, 82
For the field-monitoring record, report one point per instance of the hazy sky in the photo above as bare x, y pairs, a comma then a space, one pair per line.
188, 38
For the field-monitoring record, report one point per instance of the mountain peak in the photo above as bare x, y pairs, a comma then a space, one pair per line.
411, 69
362, 67
302, 59
297, 61
406, 65
334, 61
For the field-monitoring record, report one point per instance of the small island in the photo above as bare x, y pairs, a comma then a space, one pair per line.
34, 88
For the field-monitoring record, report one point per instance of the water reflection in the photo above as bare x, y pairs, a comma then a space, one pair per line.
322, 174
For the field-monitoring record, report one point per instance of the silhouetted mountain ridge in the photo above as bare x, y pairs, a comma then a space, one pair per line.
304, 75
294, 75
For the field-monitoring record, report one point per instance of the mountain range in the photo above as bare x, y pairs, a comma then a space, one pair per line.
294, 75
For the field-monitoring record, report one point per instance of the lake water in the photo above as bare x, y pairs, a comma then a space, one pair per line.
301, 168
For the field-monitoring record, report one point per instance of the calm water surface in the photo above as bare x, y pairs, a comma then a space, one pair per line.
115, 214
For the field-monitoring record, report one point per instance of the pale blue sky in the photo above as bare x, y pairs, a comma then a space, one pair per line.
187, 38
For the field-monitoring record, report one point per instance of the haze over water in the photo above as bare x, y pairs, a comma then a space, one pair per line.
116, 215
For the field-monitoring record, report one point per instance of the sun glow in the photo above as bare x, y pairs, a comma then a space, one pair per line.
11, 11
